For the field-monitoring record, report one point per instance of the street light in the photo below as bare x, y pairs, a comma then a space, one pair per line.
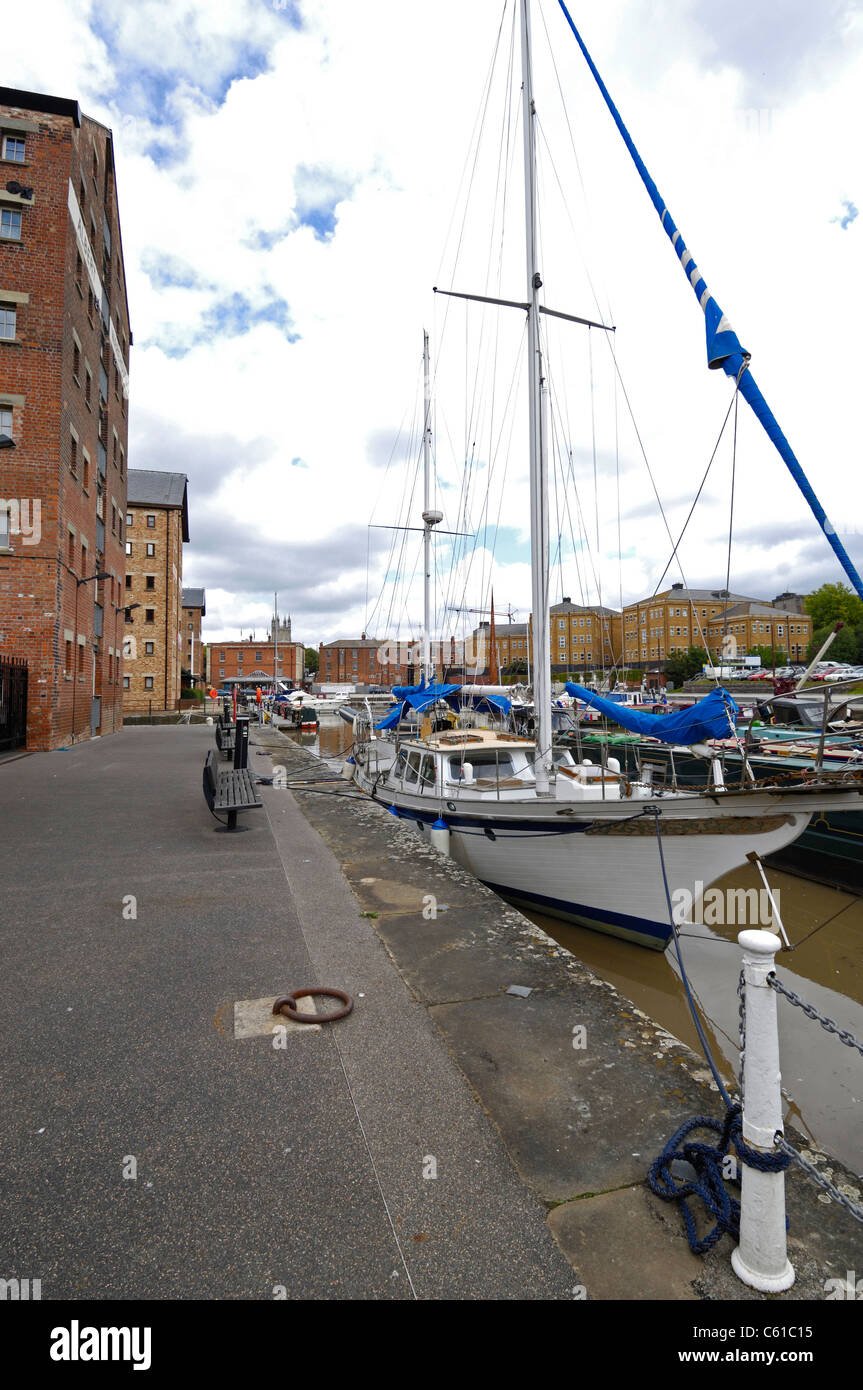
87, 579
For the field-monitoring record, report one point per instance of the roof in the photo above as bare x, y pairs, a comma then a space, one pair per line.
511, 630
38, 101
195, 598
567, 606
365, 642
148, 487
701, 596
760, 609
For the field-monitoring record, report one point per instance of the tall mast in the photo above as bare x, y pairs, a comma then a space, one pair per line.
275, 636
430, 518
538, 451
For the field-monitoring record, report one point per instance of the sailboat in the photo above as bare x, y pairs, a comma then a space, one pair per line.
580, 840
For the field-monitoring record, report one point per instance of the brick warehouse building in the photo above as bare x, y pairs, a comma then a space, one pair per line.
193, 654
254, 662
64, 392
157, 524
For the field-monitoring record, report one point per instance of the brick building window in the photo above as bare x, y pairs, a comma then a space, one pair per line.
85, 470
14, 148
73, 457
148, 682
88, 385
126, 682
128, 581
130, 520
149, 648
91, 305
128, 547
7, 322
10, 224
151, 521
151, 549
149, 615
151, 581
6, 420
259, 656
79, 274
71, 549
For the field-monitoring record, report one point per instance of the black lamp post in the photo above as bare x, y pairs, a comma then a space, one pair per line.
88, 579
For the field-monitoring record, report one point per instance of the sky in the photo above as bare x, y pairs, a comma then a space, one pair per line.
294, 178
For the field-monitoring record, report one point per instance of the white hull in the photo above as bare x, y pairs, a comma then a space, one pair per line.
597, 862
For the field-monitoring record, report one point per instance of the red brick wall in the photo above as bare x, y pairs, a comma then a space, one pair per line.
38, 582
291, 659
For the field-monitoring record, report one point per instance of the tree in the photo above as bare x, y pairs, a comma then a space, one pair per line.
684, 665
846, 646
310, 660
832, 603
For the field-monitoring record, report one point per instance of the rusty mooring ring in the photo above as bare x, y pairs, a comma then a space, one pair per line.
284, 1005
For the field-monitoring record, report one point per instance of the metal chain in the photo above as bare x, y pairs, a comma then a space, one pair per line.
782, 1143
779, 1139
811, 1012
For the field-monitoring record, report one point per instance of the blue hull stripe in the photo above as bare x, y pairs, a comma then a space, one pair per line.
657, 933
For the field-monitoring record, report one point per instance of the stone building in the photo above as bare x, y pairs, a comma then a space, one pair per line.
157, 525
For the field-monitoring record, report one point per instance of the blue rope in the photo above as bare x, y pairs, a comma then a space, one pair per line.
709, 1182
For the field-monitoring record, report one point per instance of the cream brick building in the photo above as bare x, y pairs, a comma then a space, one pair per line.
657, 628
157, 525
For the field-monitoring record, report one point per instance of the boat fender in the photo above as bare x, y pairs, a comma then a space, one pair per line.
394, 811
348, 769
613, 765
439, 836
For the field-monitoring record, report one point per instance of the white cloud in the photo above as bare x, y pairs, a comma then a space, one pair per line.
278, 182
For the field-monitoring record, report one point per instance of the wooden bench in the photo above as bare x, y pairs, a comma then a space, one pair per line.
229, 789
225, 738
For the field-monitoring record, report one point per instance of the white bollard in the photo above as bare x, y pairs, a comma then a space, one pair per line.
761, 1258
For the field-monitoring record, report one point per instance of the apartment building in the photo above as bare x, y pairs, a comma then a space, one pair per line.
724, 623
64, 401
583, 637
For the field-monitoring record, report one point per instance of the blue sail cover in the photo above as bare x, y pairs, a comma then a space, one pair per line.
723, 346
417, 697
712, 717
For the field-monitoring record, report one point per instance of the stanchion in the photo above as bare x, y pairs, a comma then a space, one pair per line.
761, 1258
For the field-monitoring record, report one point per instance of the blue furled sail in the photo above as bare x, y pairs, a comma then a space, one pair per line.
712, 717
419, 697
723, 346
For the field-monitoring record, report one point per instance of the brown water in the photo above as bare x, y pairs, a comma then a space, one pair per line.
822, 1080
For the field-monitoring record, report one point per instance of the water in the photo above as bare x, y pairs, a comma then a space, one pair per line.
822, 1080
